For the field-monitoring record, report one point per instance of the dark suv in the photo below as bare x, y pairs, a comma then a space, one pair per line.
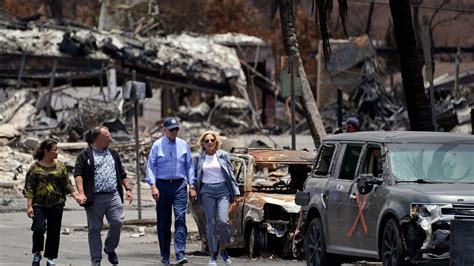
391, 196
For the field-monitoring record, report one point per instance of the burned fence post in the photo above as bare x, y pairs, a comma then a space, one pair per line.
20, 72
457, 92
51, 85
472, 121
292, 96
101, 82
339, 107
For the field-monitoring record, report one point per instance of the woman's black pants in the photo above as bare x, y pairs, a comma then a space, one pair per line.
47, 219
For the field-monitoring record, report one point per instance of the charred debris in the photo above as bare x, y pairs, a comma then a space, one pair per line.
60, 79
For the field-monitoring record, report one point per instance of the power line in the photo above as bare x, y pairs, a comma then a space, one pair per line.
382, 2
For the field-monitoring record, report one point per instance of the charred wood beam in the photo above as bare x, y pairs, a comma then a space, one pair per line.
272, 86
282, 99
436, 50
88, 72
51, 85
38, 68
257, 54
20, 73
170, 80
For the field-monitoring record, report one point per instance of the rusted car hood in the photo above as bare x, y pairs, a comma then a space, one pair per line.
287, 202
282, 156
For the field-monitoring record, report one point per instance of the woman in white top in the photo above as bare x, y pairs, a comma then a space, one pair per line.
217, 188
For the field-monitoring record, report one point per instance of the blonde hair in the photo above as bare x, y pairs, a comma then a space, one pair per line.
212, 133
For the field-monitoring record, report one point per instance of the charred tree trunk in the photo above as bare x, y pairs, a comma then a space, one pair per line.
418, 106
56, 8
290, 42
369, 19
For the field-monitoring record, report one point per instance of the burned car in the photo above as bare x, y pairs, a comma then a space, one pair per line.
265, 218
391, 196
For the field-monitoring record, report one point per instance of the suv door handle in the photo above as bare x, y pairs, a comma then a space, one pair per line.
322, 200
353, 196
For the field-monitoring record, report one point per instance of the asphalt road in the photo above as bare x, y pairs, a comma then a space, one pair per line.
15, 242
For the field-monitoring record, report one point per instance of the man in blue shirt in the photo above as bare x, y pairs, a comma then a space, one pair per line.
169, 171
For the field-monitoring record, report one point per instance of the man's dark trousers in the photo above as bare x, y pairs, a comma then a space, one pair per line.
173, 194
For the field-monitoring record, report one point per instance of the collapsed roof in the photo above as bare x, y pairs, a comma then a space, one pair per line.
28, 52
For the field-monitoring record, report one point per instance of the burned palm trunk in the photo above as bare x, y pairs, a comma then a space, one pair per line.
418, 107
290, 42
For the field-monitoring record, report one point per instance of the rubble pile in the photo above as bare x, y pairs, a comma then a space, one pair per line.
379, 107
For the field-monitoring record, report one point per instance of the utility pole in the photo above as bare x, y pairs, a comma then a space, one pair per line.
137, 152
136, 91
291, 86
292, 64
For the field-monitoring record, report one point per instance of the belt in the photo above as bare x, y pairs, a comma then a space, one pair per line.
170, 181
105, 192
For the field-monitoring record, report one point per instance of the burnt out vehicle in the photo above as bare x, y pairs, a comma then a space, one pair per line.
390, 196
265, 218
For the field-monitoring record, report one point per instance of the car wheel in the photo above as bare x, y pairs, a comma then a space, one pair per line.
254, 241
315, 245
392, 248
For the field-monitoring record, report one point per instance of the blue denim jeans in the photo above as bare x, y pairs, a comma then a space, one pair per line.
215, 200
173, 196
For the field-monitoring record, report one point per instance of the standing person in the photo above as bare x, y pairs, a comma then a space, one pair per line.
99, 177
46, 186
217, 188
169, 171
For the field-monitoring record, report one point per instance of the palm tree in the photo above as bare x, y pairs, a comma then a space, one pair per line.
418, 107
290, 41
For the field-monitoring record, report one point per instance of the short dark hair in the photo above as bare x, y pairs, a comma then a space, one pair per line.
96, 132
45, 145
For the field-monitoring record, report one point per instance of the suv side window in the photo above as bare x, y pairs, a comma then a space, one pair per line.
373, 161
324, 160
349, 161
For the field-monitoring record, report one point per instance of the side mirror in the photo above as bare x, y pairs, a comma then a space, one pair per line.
302, 198
366, 182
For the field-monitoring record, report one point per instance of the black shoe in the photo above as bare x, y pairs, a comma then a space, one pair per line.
112, 257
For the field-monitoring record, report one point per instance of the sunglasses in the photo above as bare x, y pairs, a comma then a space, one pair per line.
209, 140
174, 129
